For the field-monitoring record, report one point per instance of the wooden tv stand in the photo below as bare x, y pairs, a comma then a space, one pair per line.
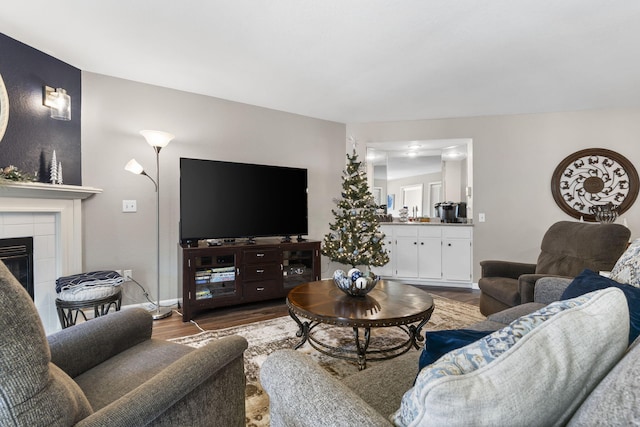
238, 273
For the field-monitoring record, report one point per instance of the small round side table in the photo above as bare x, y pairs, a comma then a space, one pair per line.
68, 310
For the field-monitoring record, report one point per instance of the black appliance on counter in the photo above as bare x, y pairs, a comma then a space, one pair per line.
452, 212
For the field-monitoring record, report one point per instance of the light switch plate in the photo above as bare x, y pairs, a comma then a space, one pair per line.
129, 206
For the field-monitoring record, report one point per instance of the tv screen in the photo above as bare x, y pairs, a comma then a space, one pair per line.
227, 200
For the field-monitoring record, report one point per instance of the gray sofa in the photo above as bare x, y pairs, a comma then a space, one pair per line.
109, 372
303, 394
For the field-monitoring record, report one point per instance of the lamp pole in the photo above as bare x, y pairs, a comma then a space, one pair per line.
157, 140
160, 312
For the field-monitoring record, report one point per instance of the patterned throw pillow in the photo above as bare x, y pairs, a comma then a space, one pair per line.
627, 268
473, 385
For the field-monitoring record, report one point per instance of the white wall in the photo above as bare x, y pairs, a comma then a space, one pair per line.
114, 110
513, 160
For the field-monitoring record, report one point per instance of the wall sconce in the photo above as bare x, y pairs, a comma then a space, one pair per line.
59, 103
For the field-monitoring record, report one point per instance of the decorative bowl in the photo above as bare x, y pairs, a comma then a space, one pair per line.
355, 283
605, 213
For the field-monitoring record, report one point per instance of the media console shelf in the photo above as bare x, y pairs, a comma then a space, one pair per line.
238, 273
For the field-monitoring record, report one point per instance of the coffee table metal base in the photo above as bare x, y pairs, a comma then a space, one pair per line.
362, 352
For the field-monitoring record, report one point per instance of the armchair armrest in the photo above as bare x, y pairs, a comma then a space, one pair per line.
150, 400
528, 283
85, 345
549, 289
301, 393
513, 270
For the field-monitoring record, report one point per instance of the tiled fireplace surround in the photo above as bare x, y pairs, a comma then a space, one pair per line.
52, 215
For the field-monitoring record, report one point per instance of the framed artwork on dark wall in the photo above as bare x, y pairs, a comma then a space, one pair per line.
594, 180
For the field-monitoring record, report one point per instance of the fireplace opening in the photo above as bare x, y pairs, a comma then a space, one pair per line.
17, 255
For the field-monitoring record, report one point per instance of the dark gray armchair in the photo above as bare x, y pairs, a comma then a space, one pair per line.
109, 372
567, 248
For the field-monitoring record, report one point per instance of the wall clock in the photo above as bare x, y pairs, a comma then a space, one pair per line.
589, 179
4, 108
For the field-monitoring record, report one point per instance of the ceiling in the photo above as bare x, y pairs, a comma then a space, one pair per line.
354, 60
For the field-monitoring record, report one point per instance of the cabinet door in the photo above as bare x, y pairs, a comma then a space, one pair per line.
387, 269
430, 258
430, 252
300, 264
406, 256
456, 259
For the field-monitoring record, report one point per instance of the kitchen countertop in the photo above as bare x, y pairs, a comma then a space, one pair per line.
454, 224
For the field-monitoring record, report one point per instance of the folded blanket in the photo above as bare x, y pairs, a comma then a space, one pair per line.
94, 278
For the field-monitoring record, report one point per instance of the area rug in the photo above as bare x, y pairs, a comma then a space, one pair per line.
268, 336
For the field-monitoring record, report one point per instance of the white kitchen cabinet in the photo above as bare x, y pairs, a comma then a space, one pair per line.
387, 269
428, 254
456, 254
406, 257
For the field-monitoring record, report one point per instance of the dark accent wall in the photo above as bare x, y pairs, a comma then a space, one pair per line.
32, 135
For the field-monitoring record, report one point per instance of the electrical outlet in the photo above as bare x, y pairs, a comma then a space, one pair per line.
129, 206
481, 217
127, 275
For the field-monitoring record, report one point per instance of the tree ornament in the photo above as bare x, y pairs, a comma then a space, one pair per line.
53, 170
59, 176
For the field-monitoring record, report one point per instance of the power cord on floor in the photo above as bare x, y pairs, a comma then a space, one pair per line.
191, 321
146, 294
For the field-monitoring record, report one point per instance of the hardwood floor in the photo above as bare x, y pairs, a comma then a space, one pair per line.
174, 327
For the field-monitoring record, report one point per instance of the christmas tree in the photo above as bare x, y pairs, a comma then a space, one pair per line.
355, 237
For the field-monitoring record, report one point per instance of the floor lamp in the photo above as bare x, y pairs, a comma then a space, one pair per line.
157, 140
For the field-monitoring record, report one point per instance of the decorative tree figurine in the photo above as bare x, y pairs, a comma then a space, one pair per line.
53, 170
355, 238
59, 177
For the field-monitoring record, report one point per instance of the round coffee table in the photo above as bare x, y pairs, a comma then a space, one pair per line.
388, 304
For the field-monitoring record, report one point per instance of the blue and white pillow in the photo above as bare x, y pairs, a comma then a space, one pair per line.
532, 369
627, 268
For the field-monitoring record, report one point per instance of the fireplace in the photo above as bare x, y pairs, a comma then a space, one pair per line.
17, 255
52, 216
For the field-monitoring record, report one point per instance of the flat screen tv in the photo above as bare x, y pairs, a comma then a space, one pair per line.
227, 200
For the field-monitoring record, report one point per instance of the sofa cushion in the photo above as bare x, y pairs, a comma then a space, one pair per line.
439, 343
627, 268
614, 402
589, 281
572, 344
33, 391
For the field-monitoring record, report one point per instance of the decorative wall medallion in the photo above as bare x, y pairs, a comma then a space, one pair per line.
587, 180
4, 108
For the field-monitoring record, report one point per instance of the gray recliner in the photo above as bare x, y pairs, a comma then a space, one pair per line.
109, 372
567, 248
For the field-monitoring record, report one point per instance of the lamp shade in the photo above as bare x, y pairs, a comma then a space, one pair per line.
134, 167
157, 138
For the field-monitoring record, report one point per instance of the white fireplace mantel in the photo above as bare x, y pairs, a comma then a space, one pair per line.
39, 190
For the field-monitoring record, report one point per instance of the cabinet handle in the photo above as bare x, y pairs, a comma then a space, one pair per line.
422, 243
448, 244
259, 271
259, 255
415, 243
259, 289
